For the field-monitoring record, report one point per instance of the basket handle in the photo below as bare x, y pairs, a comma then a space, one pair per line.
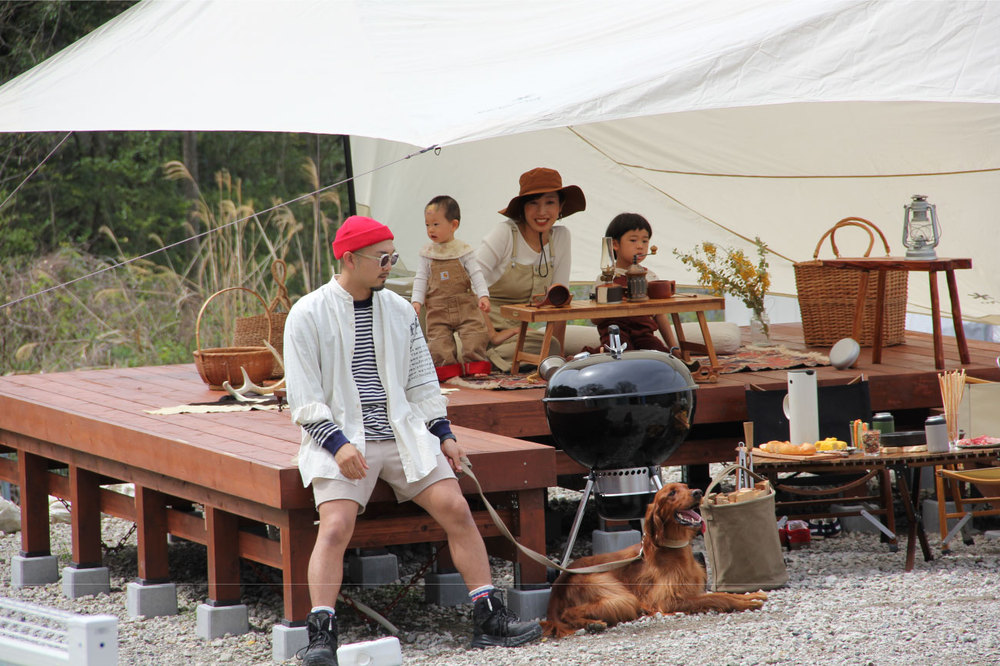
279, 270
729, 470
197, 325
859, 222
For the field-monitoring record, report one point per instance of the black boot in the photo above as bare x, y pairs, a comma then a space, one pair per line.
493, 624
322, 650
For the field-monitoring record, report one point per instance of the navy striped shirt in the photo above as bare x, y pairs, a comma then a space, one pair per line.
365, 370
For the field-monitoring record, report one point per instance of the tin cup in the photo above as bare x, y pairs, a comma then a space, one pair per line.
871, 441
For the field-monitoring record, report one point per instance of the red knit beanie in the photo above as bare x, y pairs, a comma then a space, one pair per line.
357, 232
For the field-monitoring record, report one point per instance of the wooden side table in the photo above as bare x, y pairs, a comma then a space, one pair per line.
556, 319
869, 265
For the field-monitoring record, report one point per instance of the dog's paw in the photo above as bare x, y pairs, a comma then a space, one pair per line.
758, 595
595, 627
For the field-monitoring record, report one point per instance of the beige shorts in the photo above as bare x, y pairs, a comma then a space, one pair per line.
383, 461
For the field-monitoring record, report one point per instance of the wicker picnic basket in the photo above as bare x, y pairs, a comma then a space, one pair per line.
828, 296
250, 331
220, 364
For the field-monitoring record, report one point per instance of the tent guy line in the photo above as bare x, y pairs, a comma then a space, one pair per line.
39, 166
205, 233
673, 198
706, 174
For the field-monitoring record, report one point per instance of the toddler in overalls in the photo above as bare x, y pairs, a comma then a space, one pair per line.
449, 284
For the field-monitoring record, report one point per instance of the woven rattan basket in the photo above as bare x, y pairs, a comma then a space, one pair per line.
220, 364
828, 296
251, 331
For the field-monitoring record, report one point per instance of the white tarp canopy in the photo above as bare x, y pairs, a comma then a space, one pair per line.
717, 120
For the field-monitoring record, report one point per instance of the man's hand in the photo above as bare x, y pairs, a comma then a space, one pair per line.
484, 303
416, 307
352, 464
454, 453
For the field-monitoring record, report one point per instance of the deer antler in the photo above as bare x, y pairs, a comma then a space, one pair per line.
249, 386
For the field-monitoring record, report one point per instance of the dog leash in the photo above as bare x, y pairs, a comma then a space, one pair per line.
538, 557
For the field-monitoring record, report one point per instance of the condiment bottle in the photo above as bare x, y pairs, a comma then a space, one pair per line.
884, 422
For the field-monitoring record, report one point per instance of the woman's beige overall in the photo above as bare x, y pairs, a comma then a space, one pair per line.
515, 287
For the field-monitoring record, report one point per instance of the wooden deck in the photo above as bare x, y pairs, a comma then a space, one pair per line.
75, 432
905, 383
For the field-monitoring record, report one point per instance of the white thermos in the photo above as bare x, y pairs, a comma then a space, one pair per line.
802, 409
936, 431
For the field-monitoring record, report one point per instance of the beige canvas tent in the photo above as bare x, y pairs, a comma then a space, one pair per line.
718, 120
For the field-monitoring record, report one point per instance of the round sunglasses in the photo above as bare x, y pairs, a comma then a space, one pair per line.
384, 260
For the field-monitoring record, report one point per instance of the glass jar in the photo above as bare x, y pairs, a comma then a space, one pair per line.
760, 330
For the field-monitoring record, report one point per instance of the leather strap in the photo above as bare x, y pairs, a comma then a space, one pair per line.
538, 557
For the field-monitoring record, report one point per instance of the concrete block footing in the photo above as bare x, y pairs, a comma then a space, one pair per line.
28, 571
855, 523
445, 589
286, 641
150, 600
213, 622
370, 571
83, 582
383, 652
609, 542
528, 604
932, 522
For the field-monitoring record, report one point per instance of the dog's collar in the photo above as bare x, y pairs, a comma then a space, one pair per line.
669, 543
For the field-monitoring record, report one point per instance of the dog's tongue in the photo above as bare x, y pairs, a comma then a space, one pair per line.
691, 516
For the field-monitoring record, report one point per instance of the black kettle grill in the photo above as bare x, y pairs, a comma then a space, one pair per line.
621, 414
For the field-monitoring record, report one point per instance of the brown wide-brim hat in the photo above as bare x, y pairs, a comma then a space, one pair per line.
541, 181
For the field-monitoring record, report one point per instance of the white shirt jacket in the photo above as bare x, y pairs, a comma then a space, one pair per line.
318, 351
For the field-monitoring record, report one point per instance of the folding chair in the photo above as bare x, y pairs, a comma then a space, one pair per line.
838, 406
984, 479
978, 415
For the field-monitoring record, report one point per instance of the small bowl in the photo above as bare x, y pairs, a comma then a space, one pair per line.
660, 288
845, 353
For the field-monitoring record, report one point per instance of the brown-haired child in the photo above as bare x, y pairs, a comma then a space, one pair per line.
449, 285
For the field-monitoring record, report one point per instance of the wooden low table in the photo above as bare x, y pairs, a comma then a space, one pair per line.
556, 319
868, 265
74, 433
902, 463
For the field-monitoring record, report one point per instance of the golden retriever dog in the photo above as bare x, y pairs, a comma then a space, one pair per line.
667, 579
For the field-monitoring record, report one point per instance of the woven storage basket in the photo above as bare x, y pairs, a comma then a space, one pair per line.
250, 331
221, 364
828, 296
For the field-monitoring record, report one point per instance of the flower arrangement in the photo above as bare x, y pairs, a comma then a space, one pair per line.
725, 270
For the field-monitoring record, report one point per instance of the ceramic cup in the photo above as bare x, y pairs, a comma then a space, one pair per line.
660, 289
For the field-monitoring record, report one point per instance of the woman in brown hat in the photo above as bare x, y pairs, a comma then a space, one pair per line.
527, 254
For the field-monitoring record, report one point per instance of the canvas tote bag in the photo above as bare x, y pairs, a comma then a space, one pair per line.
741, 541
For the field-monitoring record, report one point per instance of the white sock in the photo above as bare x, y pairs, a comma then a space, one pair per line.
480, 592
328, 609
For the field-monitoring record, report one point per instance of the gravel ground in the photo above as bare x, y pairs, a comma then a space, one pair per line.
848, 602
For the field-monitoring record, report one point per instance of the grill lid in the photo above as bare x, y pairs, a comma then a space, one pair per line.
635, 374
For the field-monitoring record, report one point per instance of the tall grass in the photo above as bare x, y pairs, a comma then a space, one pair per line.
145, 313
136, 315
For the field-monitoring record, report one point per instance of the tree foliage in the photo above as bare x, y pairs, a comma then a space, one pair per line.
103, 197
115, 180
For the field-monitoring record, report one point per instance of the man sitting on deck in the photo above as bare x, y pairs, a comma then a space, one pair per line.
362, 385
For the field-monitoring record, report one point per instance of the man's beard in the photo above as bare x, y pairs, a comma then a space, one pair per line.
379, 288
